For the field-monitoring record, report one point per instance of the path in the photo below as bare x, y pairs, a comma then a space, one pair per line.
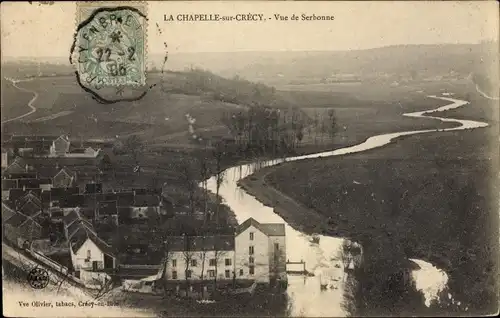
484, 94
30, 103
53, 116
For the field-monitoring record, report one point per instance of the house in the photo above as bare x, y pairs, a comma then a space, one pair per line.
5, 158
40, 146
145, 206
27, 174
108, 211
35, 148
16, 194
125, 215
93, 188
64, 178
88, 152
31, 183
124, 198
260, 251
60, 146
32, 145
16, 220
24, 183
198, 259
56, 214
8, 184
30, 230
29, 205
55, 196
7, 212
18, 166
20, 229
139, 214
88, 252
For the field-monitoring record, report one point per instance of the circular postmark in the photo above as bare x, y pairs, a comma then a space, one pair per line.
109, 52
38, 278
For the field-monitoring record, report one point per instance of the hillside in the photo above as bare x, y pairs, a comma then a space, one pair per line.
432, 59
180, 105
402, 60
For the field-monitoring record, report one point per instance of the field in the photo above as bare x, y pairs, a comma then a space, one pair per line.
13, 107
431, 196
160, 117
62, 106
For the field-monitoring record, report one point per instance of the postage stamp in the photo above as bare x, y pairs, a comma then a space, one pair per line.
110, 44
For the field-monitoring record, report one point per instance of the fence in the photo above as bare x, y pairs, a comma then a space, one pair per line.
140, 266
47, 261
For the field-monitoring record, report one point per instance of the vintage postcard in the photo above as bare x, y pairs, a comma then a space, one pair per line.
250, 158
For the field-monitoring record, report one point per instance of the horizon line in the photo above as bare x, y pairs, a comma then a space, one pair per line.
264, 51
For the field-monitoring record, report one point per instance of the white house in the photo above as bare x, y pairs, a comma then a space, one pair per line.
88, 252
199, 259
60, 146
88, 152
200, 256
5, 159
257, 252
260, 251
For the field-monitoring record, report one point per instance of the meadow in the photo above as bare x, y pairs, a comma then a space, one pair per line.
12, 107
432, 196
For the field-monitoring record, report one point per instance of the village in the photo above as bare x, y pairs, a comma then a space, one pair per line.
57, 210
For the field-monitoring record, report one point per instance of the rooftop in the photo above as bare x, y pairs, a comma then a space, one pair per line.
16, 194
107, 208
7, 212
270, 229
16, 220
79, 230
9, 184
200, 243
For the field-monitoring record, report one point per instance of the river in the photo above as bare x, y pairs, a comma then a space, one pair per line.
305, 295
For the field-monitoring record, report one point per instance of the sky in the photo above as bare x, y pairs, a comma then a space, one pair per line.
32, 30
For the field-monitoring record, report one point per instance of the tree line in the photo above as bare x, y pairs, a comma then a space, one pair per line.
266, 130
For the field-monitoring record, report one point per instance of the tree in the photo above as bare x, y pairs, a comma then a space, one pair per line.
332, 123
189, 184
218, 255
204, 175
323, 129
220, 175
203, 256
165, 232
316, 123
187, 255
